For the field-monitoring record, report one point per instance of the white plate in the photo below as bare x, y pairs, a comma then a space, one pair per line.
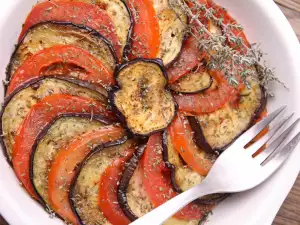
264, 24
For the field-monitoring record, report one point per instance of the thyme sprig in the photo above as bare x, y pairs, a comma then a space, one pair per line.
236, 65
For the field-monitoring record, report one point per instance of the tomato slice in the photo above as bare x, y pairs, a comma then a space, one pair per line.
146, 36
40, 115
95, 71
189, 58
157, 183
80, 13
221, 12
108, 191
63, 167
207, 102
182, 137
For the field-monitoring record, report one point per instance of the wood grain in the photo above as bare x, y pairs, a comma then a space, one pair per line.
290, 4
292, 15
289, 213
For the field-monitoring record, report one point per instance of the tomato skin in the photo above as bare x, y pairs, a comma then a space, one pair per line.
182, 137
63, 167
158, 185
209, 101
96, 72
146, 34
220, 12
189, 58
108, 191
38, 118
74, 12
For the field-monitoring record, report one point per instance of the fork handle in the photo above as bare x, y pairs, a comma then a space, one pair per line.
168, 209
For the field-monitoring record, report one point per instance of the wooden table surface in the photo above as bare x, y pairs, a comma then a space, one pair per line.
289, 213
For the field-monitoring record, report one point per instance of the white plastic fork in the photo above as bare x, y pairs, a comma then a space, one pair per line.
235, 170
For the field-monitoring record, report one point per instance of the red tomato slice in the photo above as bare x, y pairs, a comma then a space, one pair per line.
33, 67
207, 102
40, 115
221, 12
182, 137
79, 13
108, 191
146, 36
158, 185
63, 167
189, 58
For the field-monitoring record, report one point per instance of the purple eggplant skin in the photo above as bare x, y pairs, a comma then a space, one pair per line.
200, 139
170, 64
208, 201
128, 45
169, 165
195, 92
198, 136
34, 83
82, 164
111, 93
91, 31
42, 134
130, 167
156, 61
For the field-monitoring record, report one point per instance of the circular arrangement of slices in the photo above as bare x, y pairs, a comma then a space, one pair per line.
110, 109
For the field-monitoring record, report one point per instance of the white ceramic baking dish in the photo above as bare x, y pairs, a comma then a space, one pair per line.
265, 24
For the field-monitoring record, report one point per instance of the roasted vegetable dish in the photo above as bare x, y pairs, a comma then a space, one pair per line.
113, 107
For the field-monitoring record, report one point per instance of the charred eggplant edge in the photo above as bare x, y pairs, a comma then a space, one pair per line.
44, 132
82, 164
127, 47
176, 188
111, 93
30, 83
130, 167
200, 139
90, 30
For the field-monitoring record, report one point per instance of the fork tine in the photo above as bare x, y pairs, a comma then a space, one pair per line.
278, 157
275, 144
256, 129
266, 138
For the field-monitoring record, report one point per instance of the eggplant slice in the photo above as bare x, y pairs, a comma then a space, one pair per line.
182, 177
84, 189
121, 17
217, 130
48, 34
132, 196
172, 26
18, 104
172, 33
193, 82
58, 134
142, 99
